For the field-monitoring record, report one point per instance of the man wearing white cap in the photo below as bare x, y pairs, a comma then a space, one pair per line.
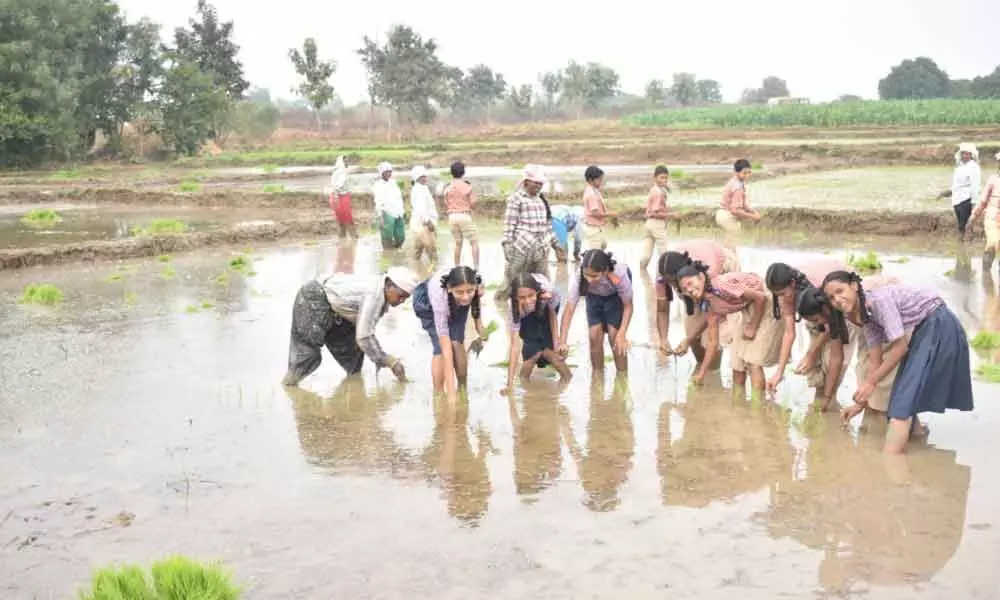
389, 209
527, 230
423, 216
341, 312
965, 183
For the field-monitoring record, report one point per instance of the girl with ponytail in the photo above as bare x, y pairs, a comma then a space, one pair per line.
717, 259
607, 286
534, 305
443, 304
740, 294
934, 373
785, 284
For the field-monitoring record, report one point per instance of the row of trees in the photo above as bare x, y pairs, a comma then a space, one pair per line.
922, 78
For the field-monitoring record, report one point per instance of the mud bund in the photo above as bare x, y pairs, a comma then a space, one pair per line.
315, 226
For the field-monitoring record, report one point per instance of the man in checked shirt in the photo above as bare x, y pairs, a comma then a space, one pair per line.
527, 230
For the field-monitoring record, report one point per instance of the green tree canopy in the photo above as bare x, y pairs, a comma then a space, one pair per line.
915, 78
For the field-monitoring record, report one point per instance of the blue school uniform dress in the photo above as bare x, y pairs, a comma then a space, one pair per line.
605, 298
534, 328
430, 304
934, 374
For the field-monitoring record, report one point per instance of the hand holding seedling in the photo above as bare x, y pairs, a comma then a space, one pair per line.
476, 346
682, 348
850, 412
399, 371
772, 383
621, 344
804, 367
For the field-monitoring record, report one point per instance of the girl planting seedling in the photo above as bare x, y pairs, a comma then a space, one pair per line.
534, 306
443, 303
607, 286
732, 294
934, 372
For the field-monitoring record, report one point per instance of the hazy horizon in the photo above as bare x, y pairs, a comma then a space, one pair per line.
735, 43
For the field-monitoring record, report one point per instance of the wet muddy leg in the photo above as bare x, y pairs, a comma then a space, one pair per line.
311, 320
461, 359
621, 360
558, 363
596, 336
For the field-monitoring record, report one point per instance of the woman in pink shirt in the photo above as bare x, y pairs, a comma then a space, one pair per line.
989, 205
719, 260
735, 206
595, 211
824, 362
729, 294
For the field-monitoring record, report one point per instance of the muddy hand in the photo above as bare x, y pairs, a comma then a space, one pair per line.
399, 371
476, 346
849, 413
772, 383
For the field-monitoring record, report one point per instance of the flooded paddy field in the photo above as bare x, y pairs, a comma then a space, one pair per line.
143, 416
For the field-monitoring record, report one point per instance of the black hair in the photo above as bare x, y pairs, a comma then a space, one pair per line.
548, 211
671, 263
524, 280
457, 277
741, 164
595, 259
593, 172
838, 324
458, 169
661, 170
778, 277
812, 301
689, 270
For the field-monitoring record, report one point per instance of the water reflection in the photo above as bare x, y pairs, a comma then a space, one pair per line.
883, 520
537, 441
345, 255
455, 459
605, 466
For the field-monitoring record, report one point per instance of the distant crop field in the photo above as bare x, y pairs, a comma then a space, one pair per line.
835, 114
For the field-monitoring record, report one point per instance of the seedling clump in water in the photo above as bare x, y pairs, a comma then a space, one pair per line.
161, 226
986, 340
866, 265
41, 217
988, 372
240, 264
173, 578
44, 294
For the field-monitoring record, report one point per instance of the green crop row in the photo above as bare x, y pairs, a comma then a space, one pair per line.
833, 114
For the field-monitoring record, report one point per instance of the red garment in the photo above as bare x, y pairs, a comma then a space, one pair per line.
341, 207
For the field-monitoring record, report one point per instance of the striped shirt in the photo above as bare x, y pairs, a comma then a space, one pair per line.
896, 310
360, 299
526, 226
553, 299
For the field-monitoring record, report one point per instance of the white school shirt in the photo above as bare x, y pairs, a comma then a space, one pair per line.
423, 208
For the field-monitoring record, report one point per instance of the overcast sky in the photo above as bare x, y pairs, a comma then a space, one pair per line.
822, 49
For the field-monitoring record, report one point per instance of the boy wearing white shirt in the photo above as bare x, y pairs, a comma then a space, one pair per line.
389, 209
423, 216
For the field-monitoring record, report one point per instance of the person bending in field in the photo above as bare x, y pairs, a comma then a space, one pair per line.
341, 312
443, 303
607, 286
719, 260
824, 363
568, 220
534, 309
934, 371
731, 294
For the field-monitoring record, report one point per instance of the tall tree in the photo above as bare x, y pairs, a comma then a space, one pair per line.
655, 94
773, 87
986, 87
405, 73
589, 85
190, 102
915, 78
685, 89
520, 100
139, 70
209, 45
316, 73
484, 87
709, 91
552, 87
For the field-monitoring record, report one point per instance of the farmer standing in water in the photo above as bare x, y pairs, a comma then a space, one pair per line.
389, 209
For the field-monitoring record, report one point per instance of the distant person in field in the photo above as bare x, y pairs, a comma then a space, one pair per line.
595, 212
459, 202
568, 220
965, 183
527, 230
340, 199
735, 205
389, 209
657, 213
423, 216
989, 205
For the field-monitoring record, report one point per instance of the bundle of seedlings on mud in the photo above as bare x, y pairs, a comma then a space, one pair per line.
988, 372
986, 340
189, 186
173, 578
274, 188
865, 265
42, 294
160, 226
242, 264
41, 217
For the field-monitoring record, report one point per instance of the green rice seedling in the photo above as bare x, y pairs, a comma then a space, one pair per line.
67, 174
491, 328
42, 294
988, 372
161, 226
130, 298
173, 578
756, 166
270, 168
222, 278
516, 166
114, 277
41, 217
274, 188
206, 305
902, 260
241, 264
866, 265
164, 258
168, 272
191, 309
986, 340
189, 186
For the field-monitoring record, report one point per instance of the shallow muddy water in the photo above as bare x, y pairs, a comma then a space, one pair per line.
144, 417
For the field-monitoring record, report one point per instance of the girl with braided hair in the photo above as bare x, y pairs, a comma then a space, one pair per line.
731, 294
934, 373
718, 259
785, 283
534, 308
607, 286
443, 303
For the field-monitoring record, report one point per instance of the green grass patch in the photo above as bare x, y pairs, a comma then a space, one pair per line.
515, 166
274, 188
168, 272
67, 174
988, 372
986, 340
270, 168
902, 260
191, 309
173, 578
865, 264
189, 186
164, 258
114, 278
130, 298
222, 278
41, 217
161, 226
242, 264
506, 187
42, 294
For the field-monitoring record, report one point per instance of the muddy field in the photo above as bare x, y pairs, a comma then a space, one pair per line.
143, 416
